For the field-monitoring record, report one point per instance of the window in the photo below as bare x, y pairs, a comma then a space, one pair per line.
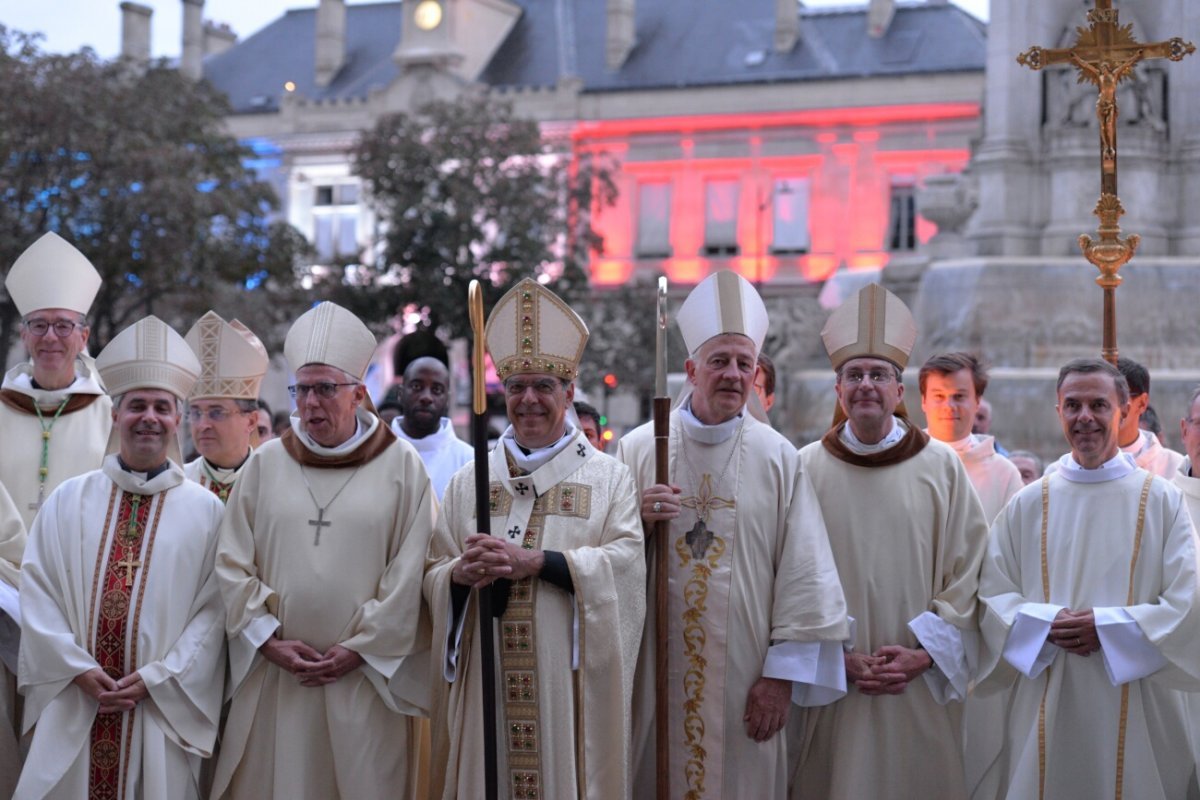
790, 200
335, 221
720, 217
654, 220
902, 221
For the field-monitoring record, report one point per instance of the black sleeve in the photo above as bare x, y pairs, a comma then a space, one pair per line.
555, 571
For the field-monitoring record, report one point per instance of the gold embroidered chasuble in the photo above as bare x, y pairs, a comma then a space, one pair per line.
750, 566
565, 661
96, 592
1090, 562
359, 587
77, 440
908, 538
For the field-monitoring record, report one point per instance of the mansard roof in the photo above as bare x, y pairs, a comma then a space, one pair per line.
699, 43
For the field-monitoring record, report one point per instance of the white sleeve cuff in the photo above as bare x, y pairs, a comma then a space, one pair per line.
574, 633
453, 640
398, 688
852, 637
243, 649
1128, 654
1027, 649
817, 670
954, 653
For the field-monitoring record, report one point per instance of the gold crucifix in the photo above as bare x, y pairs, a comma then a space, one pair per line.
130, 565
1106, 53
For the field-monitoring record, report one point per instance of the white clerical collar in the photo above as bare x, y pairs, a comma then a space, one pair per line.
708, 434
531, 460
1144, 443
220, 474
427, 444
893, 437
139, 482
1118, 466
364, 425
20, 379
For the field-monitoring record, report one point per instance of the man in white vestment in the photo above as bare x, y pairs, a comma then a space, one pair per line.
1089, 594
951, 385
122, 657
908, 534
566, 568
756, 614
223, 406
320, 559
54, 413
55, 416
424, 397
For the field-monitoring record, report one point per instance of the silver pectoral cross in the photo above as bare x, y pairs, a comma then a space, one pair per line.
318, 523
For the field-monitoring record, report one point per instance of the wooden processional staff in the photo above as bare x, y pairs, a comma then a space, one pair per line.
1106, 53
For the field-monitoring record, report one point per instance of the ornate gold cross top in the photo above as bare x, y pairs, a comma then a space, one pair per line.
1105, 53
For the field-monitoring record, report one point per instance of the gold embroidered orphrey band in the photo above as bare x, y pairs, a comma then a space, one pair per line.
1124, 718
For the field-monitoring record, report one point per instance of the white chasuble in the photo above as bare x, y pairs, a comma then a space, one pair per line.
118, 575
328, 555
564, 659
908, 537
753, 592
1124, 547
73, 427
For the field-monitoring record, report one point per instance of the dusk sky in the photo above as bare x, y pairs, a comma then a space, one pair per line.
70, 24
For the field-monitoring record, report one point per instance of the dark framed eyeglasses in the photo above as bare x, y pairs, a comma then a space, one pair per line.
61, 327
324, 390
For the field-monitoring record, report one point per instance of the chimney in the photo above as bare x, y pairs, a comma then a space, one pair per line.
619, 32
331, 40
787, 25
190, 61
879, 17
135, 32
218, 37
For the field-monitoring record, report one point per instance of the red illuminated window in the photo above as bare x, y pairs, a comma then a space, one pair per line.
902, 221
789, 196
654, 220
720, 217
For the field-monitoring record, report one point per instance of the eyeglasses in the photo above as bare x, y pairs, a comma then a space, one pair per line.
324, 390
544, 387
216, 414
62, 328
879, 377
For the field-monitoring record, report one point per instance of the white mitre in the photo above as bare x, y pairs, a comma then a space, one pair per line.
233, 360
532, 330
329, 334
51, 273
148, 355
872, 323
724, 302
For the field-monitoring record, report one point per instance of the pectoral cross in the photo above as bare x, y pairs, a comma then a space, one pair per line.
1106, 53
130, 565
318, 523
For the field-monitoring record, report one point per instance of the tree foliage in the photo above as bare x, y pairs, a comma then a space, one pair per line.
132, 166
466, 190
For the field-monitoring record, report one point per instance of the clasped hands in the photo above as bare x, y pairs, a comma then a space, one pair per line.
115, 696
489, 558
888, 670
311, 667
1075, 632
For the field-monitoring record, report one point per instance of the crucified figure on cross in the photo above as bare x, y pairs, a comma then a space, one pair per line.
1106, 53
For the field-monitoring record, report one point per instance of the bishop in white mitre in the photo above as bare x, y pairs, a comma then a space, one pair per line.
1091, 618
223, 405
54, 413
565, 564
122, 652
908, 534
756, 612
322, 552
